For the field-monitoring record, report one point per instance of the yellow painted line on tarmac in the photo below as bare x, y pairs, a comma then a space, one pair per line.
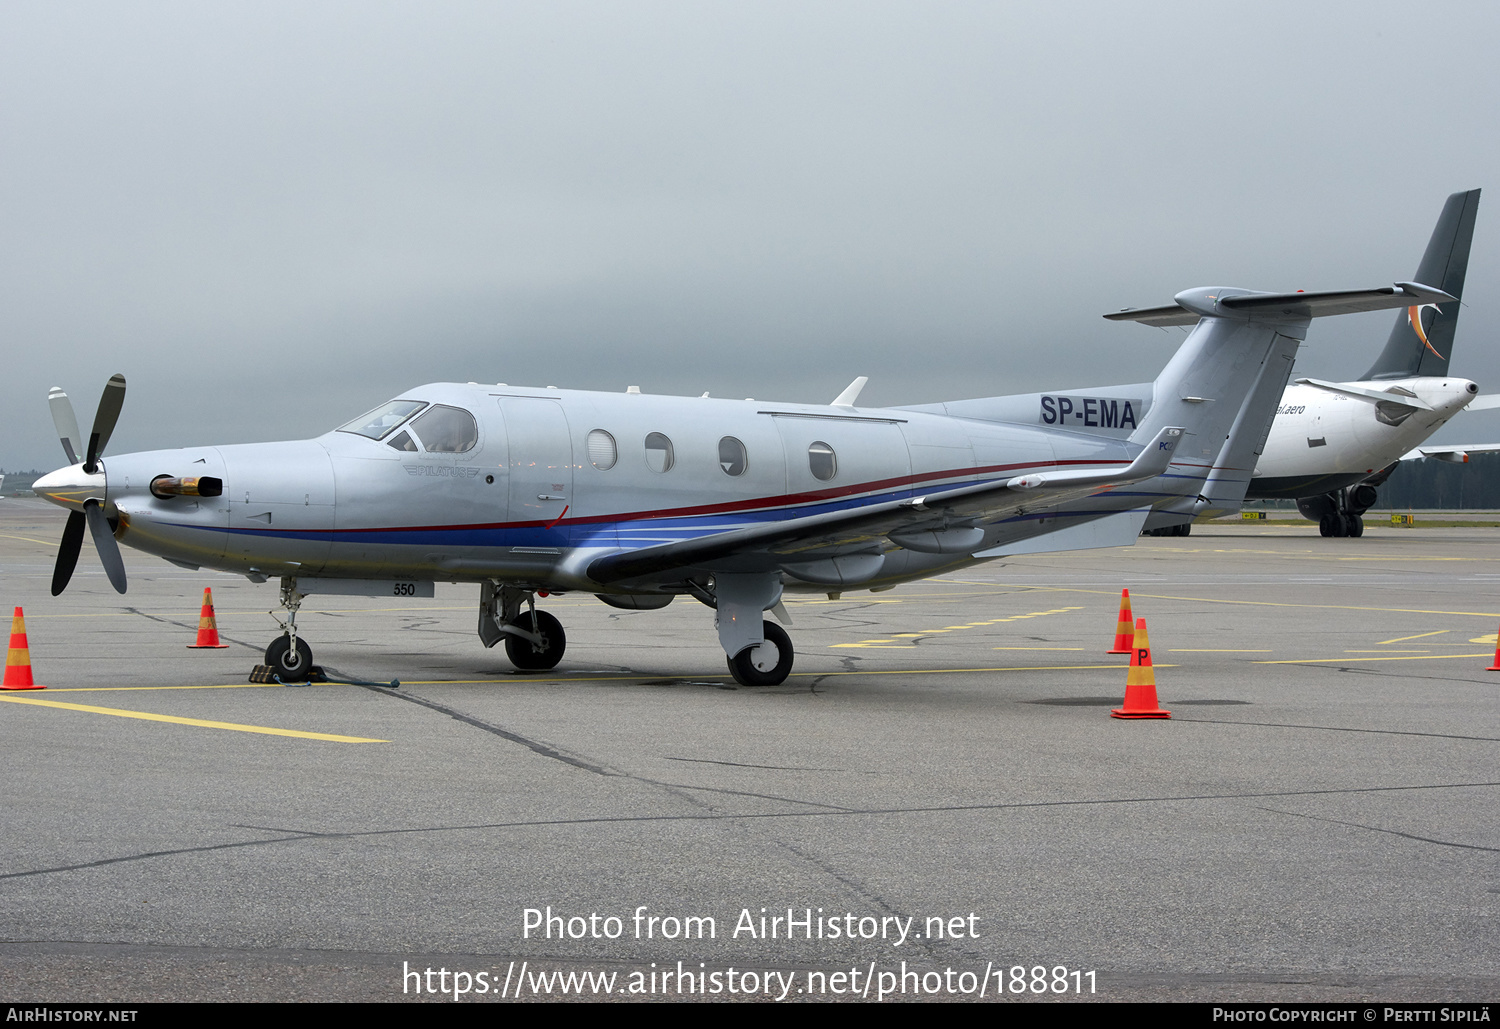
1420, 635
1264, 603
28, 539
1400, 560
957, 671
120, 689
200, 722
794, 675
1387, 650
1362, 660
1179, 650
884, 643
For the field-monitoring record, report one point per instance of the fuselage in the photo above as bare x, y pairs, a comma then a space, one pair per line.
530, 485
1323, 441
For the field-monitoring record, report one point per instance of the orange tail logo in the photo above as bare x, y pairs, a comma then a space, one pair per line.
1414, 317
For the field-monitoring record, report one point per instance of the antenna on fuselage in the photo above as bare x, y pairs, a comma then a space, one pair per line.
851, 393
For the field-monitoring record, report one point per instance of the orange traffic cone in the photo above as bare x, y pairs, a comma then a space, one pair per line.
18, 659
208, 629
1124, 628
1496, 666
1140, 683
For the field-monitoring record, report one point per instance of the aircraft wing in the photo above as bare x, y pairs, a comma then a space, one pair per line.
1303, 305
1454, 455
801, 539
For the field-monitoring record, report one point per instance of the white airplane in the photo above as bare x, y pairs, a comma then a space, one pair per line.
639, 499
1332, 443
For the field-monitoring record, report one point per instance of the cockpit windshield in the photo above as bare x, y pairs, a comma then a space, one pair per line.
380, 422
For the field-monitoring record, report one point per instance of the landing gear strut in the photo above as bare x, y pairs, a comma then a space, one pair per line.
288, 657
534, 640
759, 652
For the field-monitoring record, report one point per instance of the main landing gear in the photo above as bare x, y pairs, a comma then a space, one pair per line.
759, 652
289, 658
767, 664
1340, 513
534, 640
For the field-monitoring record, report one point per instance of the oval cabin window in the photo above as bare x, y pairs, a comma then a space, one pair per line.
658, 452
732, 457
823, 462
602, 450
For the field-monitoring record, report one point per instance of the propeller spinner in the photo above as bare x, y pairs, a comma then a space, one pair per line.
82, 486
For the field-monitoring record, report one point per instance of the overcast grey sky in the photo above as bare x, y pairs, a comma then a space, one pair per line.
271, 217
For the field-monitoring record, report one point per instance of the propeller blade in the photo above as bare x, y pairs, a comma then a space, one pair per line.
67, 553
66, 424
104, 543
110, 404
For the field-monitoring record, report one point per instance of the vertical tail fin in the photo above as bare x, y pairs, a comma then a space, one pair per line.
1422, 341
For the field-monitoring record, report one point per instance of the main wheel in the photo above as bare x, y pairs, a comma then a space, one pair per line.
1326, 525
536, 657
286, 663
1356, 525
766, 665
1185, 529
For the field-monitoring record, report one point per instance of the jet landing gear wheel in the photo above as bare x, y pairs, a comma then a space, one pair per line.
287, 663
766, 665
536, 657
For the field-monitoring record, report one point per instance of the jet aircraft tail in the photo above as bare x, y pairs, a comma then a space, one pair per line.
1421, 343
1221, 385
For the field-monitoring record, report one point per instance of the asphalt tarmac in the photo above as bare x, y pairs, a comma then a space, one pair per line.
939, 780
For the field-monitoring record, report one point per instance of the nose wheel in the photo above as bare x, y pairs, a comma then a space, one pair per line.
534, 641
289, 658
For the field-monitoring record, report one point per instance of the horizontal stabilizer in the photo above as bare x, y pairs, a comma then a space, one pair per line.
1488, 402
1291, 305
1373, 396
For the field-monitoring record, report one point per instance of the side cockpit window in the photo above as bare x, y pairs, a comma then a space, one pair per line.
380, 422
446, 430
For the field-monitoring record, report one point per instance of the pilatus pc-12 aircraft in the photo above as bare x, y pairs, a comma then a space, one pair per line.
639, 499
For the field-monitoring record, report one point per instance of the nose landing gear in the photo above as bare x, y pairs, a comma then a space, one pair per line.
534, 640
289, 658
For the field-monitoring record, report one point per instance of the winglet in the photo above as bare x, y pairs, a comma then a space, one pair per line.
851, 393
1148, 464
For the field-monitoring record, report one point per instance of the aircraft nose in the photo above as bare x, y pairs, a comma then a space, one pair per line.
70, 487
